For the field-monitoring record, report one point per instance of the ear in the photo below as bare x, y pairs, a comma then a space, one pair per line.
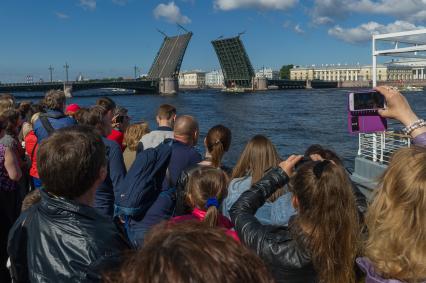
295, 202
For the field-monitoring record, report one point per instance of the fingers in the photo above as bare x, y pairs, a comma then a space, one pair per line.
288, 165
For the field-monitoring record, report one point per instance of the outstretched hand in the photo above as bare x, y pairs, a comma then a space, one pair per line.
288, 165
397, 106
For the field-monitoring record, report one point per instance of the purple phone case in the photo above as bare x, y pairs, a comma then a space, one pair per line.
367, 121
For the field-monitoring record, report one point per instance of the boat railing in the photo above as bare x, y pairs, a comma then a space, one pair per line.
379, 147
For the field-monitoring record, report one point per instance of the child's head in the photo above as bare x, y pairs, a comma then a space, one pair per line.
206, 190
134, 133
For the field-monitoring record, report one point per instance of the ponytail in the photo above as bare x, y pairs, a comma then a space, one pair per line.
217, 152
211, 216
218, 140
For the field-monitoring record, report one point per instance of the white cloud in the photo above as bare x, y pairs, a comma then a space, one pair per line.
88, 4
363, 32
171, 13
61, 16
329, 11
227, 5
298, 29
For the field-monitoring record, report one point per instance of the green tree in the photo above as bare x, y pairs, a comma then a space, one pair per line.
285, 71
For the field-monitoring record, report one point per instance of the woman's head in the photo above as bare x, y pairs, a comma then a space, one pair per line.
217, 142
13, 120
134, 133
396, 219
258, 155
327, 217
206, 189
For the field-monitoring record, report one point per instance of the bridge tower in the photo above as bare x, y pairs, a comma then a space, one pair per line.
168, 61
235, 63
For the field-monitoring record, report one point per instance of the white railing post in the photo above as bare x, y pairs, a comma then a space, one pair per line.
375, 147
382, 145
359, 144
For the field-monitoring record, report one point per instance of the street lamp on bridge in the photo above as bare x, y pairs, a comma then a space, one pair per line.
51, 72
66, 66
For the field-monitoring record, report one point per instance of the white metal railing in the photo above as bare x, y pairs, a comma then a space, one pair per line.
380, 146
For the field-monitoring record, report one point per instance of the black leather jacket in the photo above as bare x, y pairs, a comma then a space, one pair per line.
58, 240
283, 253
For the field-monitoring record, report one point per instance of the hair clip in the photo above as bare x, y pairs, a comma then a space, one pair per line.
319, 168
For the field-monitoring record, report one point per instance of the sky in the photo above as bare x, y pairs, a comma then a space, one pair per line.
107, 38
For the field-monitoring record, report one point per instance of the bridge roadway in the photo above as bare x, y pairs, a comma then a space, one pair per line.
141, 86
302, 84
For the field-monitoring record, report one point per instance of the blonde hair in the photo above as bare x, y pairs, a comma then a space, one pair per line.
396, 220
34, 118
134, 133
205, 183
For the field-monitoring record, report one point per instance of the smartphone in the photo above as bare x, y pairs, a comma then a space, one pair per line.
366, 101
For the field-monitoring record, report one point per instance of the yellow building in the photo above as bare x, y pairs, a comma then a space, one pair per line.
349, 73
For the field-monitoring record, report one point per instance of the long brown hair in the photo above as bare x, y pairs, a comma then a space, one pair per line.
396, 219
207, 183
258, 155
327, 218
218, 140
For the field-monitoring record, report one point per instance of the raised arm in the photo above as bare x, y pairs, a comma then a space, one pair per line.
397, 107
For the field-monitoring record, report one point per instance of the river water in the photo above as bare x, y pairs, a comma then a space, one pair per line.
292, 119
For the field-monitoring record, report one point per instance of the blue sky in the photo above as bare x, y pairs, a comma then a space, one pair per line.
102, 38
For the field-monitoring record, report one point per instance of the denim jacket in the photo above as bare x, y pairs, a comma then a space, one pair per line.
271, 213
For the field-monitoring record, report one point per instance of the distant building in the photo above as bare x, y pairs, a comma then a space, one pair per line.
267, 73
351, 73
417, 66
214, 78
192, 79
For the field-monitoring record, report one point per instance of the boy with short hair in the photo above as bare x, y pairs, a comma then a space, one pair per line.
62, 238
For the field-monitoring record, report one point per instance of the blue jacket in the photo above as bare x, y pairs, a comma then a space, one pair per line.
57, 119
104, 201
271, 213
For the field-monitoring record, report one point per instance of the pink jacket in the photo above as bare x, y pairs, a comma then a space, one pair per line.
198, 214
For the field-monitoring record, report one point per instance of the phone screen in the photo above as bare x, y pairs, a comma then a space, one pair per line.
368, 100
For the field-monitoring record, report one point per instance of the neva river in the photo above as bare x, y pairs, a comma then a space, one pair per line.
292, 119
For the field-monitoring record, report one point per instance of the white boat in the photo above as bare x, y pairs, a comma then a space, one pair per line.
410, 88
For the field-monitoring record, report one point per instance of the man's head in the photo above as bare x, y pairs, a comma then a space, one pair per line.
72, 162
186, 130
166, 115
97, 117
54, 100
108, 104
121, 119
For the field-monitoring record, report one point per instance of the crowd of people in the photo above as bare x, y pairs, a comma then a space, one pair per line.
87, 196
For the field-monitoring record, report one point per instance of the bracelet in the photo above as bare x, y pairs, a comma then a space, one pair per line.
414, 126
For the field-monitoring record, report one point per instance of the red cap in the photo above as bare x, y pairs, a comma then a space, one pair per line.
72, 108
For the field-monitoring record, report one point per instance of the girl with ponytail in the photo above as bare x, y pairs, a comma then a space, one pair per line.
206, 189
217, 143
321, 241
